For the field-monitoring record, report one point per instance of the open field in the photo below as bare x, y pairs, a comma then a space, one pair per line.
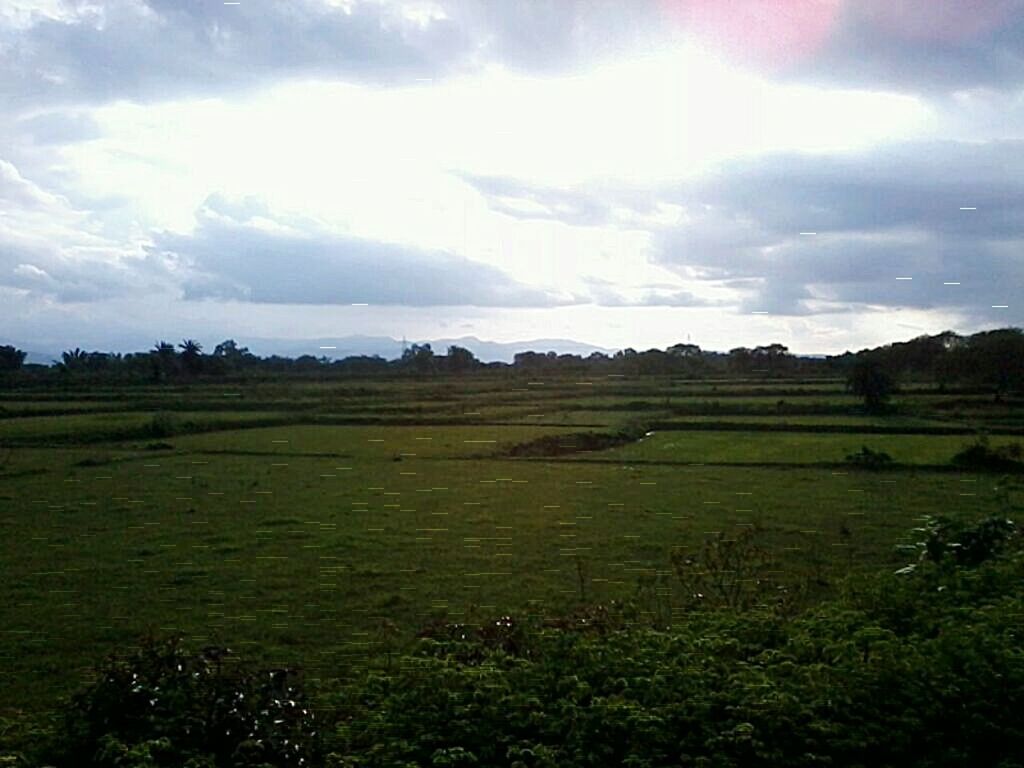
293, 521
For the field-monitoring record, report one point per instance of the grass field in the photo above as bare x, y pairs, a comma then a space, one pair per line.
262, 519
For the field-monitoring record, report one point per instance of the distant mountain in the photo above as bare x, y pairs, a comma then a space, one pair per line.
389, 348
34, 356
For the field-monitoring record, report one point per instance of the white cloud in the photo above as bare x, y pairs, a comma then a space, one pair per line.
569, 152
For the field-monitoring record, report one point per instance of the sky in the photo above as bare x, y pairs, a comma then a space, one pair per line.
826, 174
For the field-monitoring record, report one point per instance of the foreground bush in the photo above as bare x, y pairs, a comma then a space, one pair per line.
923, 667
166, 706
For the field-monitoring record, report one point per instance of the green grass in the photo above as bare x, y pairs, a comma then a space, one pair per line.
376, 443
790, 447
93, 427
898, 421
293, 542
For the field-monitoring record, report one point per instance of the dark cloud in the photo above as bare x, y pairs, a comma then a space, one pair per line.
133, 50
147, 50
874, 217
674, 298
232, 259
800, 234
70, 276
928, 46
918, 185
606, 294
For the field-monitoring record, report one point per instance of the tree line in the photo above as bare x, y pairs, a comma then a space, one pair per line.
992, 360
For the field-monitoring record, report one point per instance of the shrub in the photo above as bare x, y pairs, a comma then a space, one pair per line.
161, 425
164, 705
727, 572
948, 541
866, 458
981, 456
836, 686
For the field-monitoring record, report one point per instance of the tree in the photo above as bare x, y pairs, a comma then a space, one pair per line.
228, 356
740, 359
684, 350
191, 355
772, 358
229, 350
461, 359
74, 359
163, 360
996, 359
11, 358
869, 380
420, 357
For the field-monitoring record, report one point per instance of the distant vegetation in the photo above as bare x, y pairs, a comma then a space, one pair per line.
991, 360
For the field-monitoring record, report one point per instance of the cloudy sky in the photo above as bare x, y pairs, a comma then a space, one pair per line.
829, 174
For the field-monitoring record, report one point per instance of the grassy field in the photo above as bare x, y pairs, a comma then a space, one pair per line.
269, 518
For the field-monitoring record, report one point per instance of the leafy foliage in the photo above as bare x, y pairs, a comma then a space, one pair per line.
166, 706
728, 572
848, 683
949, 541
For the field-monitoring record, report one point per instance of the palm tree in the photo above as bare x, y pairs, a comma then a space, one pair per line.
191, 355
74, 359
162, 356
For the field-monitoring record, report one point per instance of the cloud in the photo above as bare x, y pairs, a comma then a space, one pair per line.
145, 51
604, 293
78, 275
57, 127
929, 46
520, 200
73, 53
807, 233
556, 37
266, 260
51, 250
802, 233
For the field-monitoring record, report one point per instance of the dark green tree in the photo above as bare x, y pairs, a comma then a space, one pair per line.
191, 356
74, 359
869, 380
419, 357
163, 360
11, 358
461, 359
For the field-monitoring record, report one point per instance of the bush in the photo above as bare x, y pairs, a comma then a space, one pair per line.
981, 456
164, 705
866, 458
727, 572
837, 686
162, 425
960, 544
